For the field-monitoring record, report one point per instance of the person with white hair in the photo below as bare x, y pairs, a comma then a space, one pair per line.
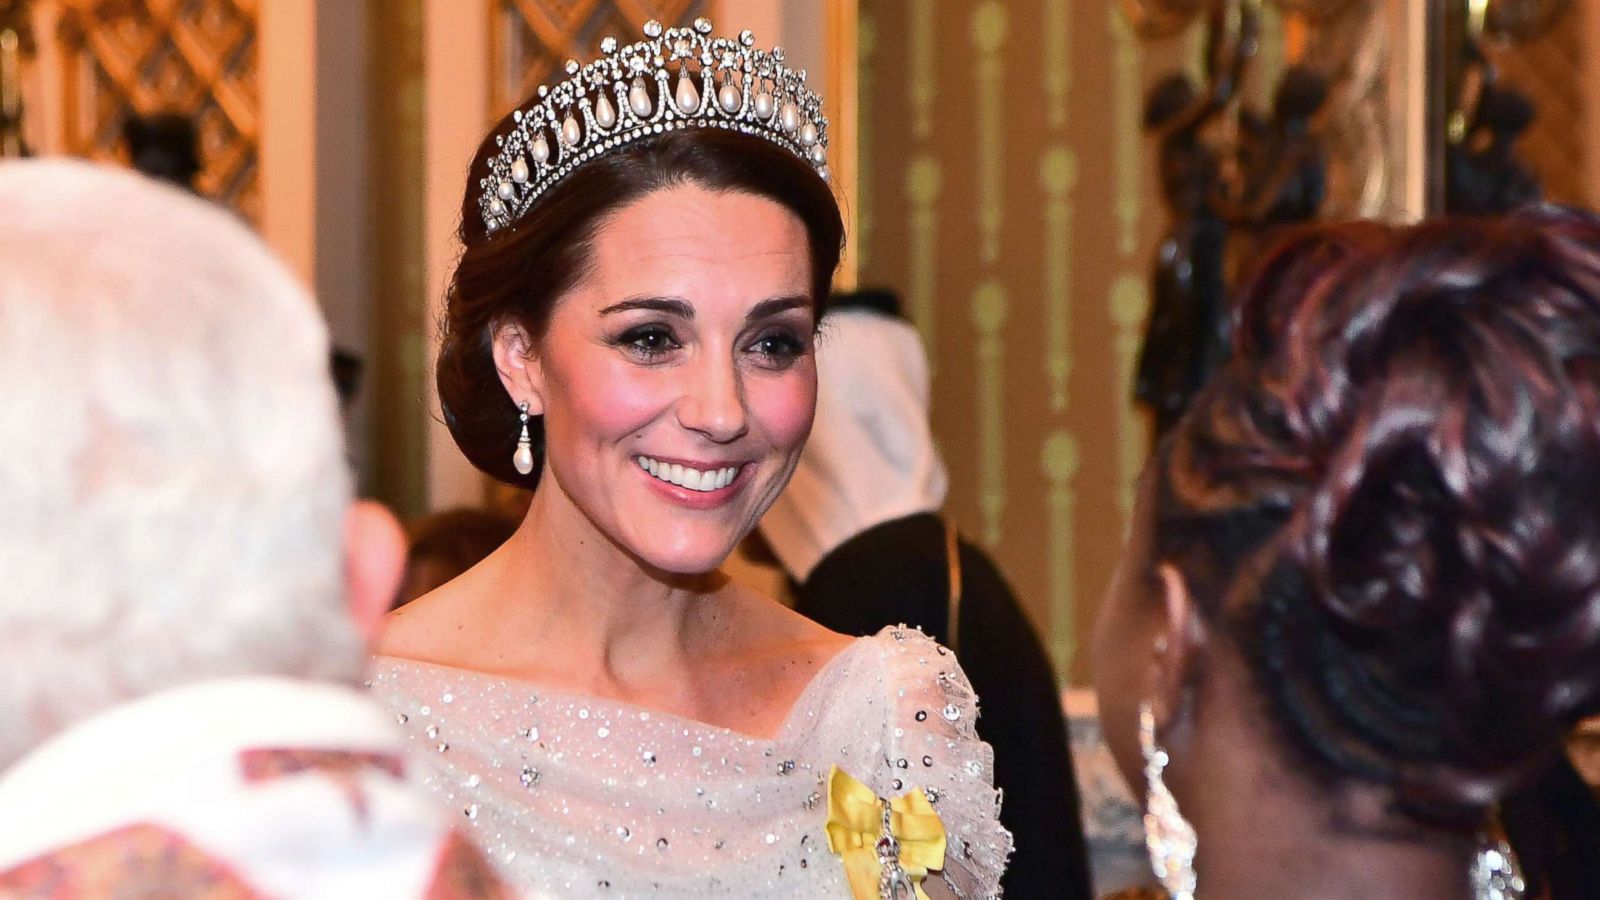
188, 588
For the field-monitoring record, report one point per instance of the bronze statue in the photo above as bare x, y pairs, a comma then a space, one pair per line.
1482, 173
1283, 168
1187, 333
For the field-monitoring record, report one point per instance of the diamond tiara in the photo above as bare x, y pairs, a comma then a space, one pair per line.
607, 104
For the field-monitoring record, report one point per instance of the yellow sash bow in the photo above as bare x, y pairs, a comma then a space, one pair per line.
855, 825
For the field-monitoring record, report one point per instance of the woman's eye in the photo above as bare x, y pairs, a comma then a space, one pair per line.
778, 347
649, 341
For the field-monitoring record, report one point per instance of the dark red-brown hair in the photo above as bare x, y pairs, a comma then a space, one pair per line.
1390, 497
515, 275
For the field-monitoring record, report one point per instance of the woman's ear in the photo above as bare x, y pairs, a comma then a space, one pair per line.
518, 364
1180, 650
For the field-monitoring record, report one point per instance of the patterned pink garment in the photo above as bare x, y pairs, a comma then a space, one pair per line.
257, 788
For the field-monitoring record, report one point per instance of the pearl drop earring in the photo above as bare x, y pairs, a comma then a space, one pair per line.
523, 458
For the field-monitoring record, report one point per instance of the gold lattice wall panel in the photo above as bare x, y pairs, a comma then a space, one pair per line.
194, 57
532, 39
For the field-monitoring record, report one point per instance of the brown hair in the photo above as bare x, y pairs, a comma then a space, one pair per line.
1390, 497
516, 274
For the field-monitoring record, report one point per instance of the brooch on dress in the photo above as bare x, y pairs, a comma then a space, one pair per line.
888, 846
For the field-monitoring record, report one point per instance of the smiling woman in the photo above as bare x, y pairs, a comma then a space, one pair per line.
630, 331
516, 277
722, 381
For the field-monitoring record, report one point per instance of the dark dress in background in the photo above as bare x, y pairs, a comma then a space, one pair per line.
897, 572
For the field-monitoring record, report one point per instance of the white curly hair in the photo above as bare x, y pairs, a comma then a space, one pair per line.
171, 469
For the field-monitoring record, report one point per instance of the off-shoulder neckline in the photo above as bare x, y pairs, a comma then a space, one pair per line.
802, 702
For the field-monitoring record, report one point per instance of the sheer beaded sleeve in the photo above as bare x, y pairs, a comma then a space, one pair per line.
933, 744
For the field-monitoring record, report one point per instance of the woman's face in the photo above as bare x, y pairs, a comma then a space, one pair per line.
677, 379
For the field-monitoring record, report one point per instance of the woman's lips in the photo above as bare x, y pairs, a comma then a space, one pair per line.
707, 480
700, 496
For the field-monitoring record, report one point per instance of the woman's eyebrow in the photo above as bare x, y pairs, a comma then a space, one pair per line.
676, 306
776, 305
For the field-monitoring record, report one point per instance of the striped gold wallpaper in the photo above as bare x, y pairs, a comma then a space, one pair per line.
1005, 193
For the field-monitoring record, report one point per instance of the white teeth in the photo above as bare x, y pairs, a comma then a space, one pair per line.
692, 479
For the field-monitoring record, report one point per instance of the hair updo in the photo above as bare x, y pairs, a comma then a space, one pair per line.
516, 275
1390, 498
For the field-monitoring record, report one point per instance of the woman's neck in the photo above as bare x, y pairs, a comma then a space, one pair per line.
1297, 859
572, 600
1267, 829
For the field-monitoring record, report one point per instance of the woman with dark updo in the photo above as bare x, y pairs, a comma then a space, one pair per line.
648, 246
1360, 607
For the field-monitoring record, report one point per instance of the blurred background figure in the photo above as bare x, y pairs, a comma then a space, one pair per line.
347, 369
1486, 176
1358, 610
445, 544
188, 588
1186, 333
164, 146
859, 531
16, 40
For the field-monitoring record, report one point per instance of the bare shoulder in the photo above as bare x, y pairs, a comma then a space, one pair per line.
777, 640
761, 662
430, 628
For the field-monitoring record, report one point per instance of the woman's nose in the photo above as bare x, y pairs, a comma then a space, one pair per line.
713, 403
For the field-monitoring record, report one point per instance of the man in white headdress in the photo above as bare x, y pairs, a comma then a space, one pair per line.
186, 584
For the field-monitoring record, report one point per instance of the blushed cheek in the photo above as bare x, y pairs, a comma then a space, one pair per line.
610, 401
784, 406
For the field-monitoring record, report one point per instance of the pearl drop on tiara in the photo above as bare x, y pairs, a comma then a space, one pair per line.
698, 82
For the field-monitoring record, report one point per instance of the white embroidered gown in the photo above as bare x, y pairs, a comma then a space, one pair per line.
575, 796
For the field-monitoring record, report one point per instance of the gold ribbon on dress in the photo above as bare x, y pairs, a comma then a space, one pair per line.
857, 823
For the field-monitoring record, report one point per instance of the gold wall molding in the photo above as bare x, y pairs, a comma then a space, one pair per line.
1269, 63
1058, 175
924, 70
1032, 351
841, 90
924, 179
1059, 462
1057, 60
989, 312
989, 25
1129, 300
1130, 303
866, 86
401, 324
1127, 103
